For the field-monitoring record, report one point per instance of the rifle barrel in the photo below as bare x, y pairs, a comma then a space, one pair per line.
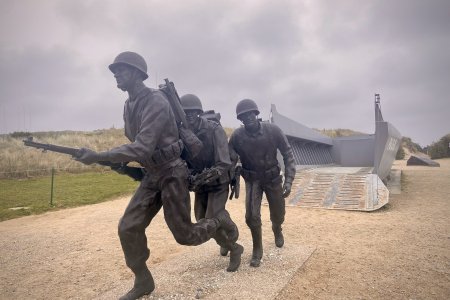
54, 148
75, 152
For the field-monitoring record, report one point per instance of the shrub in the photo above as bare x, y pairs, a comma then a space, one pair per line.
440, 149
20, 134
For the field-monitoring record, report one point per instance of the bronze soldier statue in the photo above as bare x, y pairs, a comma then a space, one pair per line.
256, 144
210, 173
154, 143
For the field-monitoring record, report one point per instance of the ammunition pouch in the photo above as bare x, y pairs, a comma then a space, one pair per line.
269, 175
168, 153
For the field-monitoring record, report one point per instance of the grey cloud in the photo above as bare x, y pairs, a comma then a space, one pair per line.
320, 62
48, 89
36, 73
97, 18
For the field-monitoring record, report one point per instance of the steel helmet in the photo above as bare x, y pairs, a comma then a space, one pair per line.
190, 101
246, 105
131, 59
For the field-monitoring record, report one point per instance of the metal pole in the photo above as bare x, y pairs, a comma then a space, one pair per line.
377, 119
51, 191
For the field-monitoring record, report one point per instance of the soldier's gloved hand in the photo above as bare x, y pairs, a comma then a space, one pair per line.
87, 156
286, 189
191, 186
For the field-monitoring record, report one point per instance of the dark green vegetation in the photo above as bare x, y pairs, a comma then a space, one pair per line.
440, 149
70, 190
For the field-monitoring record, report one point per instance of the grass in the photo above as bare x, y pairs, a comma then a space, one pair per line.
19, 161
25, 181
70, 190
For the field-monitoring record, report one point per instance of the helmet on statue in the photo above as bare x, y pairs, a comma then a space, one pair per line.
246, 105
131, 59
191, 102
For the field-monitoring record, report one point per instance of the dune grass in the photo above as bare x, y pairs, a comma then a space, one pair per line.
19, 161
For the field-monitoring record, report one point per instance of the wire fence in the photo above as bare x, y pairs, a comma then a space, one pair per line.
40, 172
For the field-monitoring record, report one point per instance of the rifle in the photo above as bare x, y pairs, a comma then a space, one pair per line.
122, 168
191, 141
205, 177
235, 183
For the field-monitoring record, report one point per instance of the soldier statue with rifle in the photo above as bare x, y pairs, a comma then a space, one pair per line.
210, 176
257, 144
151, 126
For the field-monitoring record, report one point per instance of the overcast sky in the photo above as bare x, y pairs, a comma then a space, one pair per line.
320, 62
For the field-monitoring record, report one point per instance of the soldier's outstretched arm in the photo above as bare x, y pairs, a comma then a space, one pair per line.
87, 156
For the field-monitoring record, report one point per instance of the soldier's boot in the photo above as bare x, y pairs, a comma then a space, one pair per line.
223, 251
235, 257
143, 284
279, 239
257, 247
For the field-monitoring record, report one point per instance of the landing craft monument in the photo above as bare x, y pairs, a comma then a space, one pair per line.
344, 172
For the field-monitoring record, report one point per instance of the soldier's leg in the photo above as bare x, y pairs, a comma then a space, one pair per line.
253, 197
177, 209
217, 199
143, 206
274, 193
228, 234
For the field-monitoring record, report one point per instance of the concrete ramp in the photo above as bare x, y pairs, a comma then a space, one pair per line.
199, 273
421, 160
348, 188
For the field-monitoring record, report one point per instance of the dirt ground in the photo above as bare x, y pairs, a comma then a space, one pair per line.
401, 251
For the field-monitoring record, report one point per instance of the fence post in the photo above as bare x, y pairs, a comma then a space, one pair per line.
51, 191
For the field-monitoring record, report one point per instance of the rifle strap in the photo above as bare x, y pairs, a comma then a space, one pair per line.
192, 143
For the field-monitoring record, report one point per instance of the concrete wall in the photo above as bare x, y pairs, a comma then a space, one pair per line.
354, 151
